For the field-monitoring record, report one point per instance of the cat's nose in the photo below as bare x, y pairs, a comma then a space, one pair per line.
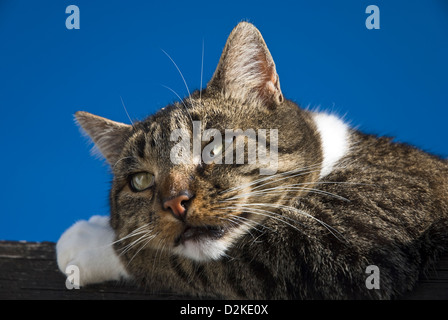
177, 206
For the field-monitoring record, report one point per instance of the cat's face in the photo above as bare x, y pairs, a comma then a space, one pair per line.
175, 186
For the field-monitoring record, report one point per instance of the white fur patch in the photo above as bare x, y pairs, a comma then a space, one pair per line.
334, 135
204, 250
88, 245
211, 249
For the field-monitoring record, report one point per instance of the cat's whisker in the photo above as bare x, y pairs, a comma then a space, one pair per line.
245, 205
268, 214
121, 159
202, 71
263, 179
158, 253
181, 100
145, 239
237, 217
135, 232
299, 186
129, 246
275, 176
236, 220
257, 224
148, 239
183, 79
236, 223
298, 171
140, 235
327, 226
125, 110
129, 236
281, 189
143, 232
288, 177
231, 220
180, 72
338, 182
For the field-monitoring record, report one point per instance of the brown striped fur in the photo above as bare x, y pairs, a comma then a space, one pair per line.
384, 204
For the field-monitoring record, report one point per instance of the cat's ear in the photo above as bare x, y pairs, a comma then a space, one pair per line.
246, 70
108, 136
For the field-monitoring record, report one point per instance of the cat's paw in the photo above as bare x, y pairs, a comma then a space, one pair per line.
88, 246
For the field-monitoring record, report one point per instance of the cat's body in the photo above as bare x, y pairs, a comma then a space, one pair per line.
339, 201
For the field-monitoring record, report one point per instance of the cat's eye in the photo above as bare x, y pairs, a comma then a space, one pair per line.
141, 181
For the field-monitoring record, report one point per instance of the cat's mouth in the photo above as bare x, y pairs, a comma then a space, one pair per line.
195, 233
206, 242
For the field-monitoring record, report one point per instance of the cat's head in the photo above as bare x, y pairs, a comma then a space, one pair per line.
175, 185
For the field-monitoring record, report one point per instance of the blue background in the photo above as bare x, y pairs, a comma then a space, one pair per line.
391, 81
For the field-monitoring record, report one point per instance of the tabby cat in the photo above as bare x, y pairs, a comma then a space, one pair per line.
338, 203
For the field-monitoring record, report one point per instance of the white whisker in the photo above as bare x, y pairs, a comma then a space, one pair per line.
328, 227
268, 214
180, 72
121, 159
275, 176
235, 219
202, 70
288, 177
125, 110
142, 233
129, 246
181, 100
148, 239
158, 254
282, 189
133, 233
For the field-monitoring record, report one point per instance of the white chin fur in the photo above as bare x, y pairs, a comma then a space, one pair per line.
334, 135
210, 249
203, 250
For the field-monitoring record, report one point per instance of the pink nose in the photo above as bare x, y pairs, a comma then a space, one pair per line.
175, 204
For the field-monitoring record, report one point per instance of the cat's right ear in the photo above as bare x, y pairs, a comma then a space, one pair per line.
246, 70
108, 136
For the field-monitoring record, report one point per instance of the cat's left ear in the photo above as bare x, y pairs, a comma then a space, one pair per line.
246, 70
108, 136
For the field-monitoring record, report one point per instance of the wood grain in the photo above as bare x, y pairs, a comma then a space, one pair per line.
28, 270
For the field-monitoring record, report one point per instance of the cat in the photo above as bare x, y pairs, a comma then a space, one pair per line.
340, 201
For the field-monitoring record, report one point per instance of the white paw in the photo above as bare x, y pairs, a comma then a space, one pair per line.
88, 246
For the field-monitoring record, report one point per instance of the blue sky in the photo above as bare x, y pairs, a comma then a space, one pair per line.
391, 81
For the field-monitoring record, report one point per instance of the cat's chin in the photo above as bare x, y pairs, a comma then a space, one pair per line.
202, 243
203, 250
210, 243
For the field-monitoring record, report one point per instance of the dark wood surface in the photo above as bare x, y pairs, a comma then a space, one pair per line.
28, 270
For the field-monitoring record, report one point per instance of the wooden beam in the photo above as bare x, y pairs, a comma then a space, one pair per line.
28, 270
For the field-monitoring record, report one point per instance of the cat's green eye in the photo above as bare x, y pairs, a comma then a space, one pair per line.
141, 181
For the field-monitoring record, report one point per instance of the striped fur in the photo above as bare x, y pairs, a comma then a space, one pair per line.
340, 201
